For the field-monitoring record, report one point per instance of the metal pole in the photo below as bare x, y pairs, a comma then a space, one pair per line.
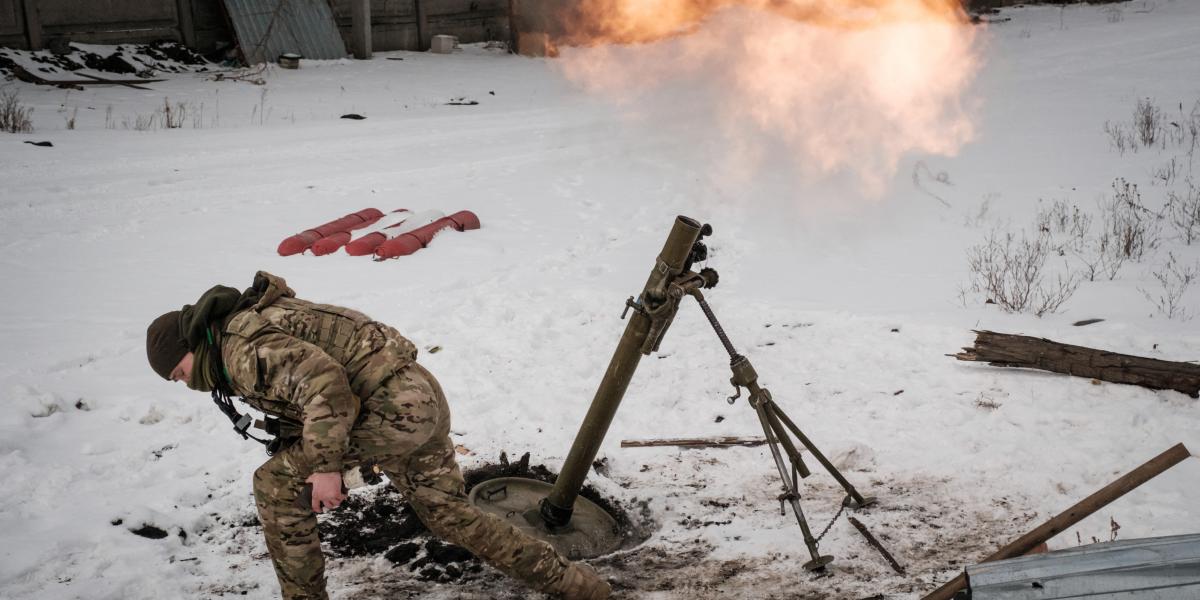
1073, 515
556, 508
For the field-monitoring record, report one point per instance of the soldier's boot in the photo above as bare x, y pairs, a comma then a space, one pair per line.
580, 582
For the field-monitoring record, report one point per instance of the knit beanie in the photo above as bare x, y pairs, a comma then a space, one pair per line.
165, 344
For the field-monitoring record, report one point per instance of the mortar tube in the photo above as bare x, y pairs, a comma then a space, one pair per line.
556, 508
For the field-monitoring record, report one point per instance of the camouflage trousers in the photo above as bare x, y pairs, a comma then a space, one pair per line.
403, 427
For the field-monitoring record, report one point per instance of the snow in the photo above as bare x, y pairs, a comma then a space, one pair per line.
847, 304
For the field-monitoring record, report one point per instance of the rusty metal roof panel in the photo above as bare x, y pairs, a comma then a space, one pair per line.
1164, 568
267, 28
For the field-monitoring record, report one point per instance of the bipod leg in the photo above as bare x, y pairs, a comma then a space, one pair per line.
854, 499
790, 494
769, 409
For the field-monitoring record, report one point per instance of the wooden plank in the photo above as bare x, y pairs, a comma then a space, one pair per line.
715, 442
24, 75
33, 24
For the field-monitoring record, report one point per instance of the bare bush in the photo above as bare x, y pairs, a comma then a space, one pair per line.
1067, 226
1147, 121
1134, 228
14, 118
71, 119
1174, 279
1011, 272
141, 122
172, 117
1183, 212
1102, 257
1121, 139
1191, 124
1166, 173
1114, 14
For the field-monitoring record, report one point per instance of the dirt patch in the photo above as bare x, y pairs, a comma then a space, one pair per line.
382, 523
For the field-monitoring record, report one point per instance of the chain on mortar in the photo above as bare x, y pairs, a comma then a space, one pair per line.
841, 509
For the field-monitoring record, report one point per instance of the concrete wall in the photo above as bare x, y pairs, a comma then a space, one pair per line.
203, 23
394, 23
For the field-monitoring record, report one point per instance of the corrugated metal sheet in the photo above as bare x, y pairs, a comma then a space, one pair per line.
1166, 568
267, 28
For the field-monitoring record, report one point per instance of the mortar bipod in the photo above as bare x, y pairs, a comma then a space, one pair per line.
779, 429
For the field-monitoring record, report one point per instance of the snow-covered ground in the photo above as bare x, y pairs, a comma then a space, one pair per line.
847, 303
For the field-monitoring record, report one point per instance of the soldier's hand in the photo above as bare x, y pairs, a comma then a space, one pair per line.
326, 490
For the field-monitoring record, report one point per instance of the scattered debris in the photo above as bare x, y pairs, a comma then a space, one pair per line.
1081, 510
141, 60
159, 453
251, 76
289, 60
353, 117
1087, 322
24, 75
40, 144
149, 531
461, 102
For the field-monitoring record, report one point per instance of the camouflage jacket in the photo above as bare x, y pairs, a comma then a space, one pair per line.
312, 363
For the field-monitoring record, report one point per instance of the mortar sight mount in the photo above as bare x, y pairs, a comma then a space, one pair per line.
579, 528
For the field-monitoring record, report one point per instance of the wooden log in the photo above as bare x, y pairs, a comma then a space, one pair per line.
1008, 350
1082, 509
717, 442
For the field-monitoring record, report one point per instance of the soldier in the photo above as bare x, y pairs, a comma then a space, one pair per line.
355, 388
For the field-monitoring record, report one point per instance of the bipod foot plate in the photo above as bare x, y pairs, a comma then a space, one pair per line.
851, 503
817, 565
